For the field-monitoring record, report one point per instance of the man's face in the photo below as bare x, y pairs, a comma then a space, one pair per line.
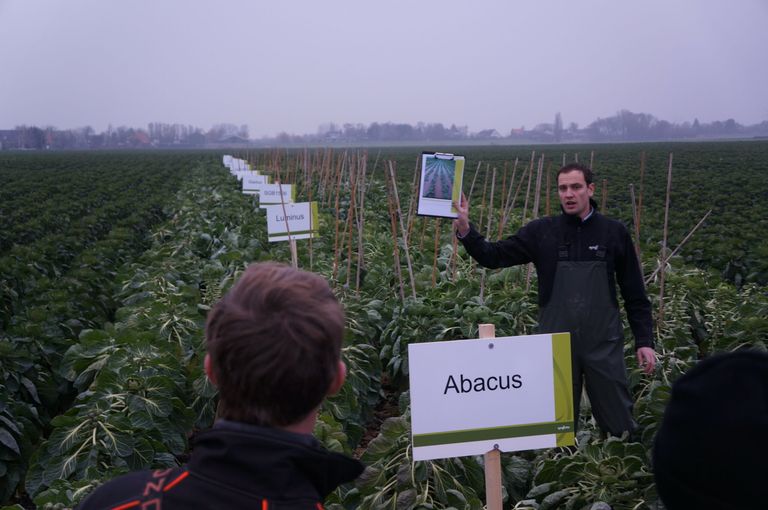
574, 193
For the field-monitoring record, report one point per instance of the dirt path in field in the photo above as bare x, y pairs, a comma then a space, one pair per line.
386, 408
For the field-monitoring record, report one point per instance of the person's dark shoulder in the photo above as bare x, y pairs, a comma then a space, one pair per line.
121, 490
112, 493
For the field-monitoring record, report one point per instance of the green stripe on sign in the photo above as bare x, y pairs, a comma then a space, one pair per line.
563, 383
292, 232
314, 224
458, 170
465, 436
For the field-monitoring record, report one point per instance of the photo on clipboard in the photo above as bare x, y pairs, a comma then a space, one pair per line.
440, 184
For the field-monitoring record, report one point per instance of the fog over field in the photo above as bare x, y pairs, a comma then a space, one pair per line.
293, 66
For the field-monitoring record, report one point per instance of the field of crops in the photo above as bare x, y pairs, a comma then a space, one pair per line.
110, 261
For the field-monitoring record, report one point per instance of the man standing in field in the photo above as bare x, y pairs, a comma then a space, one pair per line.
274, 352
580, 256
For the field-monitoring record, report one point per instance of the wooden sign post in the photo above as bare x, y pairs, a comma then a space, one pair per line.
492, 459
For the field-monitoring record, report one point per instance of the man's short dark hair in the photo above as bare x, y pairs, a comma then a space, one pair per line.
589, 177
274, 342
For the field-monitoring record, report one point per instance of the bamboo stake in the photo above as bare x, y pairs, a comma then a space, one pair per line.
352, 213
327, 184
414, 196
307, 170
592, 161
527, 195
321, 179
535, 215
637, 232
278, 177
488, 229
664, 242
361, 224
537, 196
396, 247
679, 246
640, 198
375, 166
502, 189
437, 244
293, 175
547, 210
343, 164
340, 171
505, 210
309, 199
348, 222
469, 197
405, 232
490, 203
605, 196
454, 257
288, 169
508, 212
485, 190
423, 232
326, 172
472, 187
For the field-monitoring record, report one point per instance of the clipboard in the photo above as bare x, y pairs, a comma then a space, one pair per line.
440, 184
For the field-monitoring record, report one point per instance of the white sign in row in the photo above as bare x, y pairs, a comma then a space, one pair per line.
469, 397
235, 164
292, 221
252, 182
271, 194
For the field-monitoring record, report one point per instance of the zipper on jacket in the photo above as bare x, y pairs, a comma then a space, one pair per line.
578, 246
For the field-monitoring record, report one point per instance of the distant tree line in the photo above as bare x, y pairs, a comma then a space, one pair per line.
157, 134
623, 126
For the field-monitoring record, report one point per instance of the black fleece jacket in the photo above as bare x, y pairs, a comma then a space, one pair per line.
235, 465
542, 242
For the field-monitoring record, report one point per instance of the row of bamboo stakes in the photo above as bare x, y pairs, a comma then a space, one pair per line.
343, 176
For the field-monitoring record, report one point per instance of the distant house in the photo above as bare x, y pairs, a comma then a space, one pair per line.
140, 139
233, 139
48, 138
9, 139
488, 133
196, 139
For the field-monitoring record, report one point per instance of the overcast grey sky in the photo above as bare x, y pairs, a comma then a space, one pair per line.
293, 65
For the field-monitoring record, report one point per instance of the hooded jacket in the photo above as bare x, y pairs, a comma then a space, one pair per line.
546, 241
235, 466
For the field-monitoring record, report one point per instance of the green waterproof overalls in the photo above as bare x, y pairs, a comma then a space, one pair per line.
581, 304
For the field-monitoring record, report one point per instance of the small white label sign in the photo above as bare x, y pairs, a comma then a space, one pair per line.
252, 182
269, 194
298, 220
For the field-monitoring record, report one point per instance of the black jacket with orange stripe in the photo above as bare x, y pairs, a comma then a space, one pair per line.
234, 466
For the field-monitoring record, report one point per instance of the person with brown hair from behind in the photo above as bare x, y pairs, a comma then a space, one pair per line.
274, 353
